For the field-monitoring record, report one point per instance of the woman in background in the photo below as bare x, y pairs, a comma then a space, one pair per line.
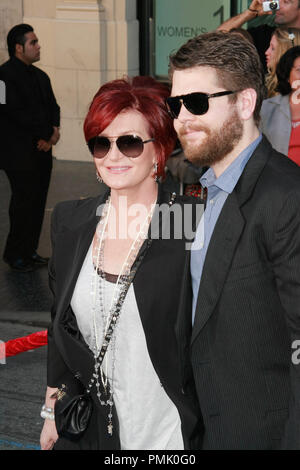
282, 39
280, 115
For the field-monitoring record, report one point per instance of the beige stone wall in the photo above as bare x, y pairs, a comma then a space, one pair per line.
84, 44
11, 13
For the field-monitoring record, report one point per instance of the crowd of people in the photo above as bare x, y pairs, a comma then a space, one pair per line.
278, 48
175, 317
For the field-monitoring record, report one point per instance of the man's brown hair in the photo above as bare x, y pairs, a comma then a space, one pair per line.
235, 60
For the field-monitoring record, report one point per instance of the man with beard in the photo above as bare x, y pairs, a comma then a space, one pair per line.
245, 261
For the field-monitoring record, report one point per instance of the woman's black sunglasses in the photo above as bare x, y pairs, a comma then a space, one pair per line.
195, 103
130, 145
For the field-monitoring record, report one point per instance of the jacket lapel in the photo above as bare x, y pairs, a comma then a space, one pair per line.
164, 252
77, 240
218, 260
157, 225
225, 238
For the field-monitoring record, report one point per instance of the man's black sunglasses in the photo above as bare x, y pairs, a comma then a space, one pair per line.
130, 145
195, 103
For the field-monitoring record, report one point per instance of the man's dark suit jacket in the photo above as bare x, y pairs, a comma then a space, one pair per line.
248, 312
19, 127
158, 294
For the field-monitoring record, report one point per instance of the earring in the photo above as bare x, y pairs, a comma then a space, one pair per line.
99, 179
156, 178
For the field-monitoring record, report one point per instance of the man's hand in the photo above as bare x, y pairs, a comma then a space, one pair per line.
255, 9
257, 5
44, 146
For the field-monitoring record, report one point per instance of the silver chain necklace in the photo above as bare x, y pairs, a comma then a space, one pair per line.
110, 318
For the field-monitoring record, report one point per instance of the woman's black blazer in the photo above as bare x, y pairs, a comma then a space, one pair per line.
160, 294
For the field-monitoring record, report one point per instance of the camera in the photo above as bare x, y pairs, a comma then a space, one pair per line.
271, 6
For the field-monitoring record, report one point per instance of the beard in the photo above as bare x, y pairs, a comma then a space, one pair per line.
217, 144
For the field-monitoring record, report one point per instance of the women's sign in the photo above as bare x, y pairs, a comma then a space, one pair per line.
178, 20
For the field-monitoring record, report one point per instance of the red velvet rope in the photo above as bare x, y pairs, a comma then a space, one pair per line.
19, 345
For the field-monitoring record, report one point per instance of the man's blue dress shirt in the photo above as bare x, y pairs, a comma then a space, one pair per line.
218, 190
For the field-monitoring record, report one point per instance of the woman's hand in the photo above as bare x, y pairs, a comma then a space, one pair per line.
48, 435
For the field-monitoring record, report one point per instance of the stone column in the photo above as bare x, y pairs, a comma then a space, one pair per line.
84, 44
11, 13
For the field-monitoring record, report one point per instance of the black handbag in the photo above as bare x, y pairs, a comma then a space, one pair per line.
72, 409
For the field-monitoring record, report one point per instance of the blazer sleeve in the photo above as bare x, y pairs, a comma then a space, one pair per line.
56, 366
266, 118
54, 108
286, 266
262, 119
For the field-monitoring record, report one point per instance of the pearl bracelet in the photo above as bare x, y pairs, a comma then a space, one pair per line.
47, 413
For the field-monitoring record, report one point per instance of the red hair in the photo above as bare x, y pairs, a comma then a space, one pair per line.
143, 94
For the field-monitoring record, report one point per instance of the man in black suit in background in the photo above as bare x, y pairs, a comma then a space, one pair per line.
29, 123
245, 261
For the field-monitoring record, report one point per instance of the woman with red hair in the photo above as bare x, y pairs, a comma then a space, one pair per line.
116, 279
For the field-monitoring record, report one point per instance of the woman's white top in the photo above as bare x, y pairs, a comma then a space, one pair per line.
148, 418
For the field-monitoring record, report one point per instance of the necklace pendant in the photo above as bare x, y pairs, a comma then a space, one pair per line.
110, 429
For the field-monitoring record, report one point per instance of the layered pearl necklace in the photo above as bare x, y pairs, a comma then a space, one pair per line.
110, 318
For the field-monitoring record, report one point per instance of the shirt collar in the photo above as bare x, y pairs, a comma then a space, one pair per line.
229, 178
22, 64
